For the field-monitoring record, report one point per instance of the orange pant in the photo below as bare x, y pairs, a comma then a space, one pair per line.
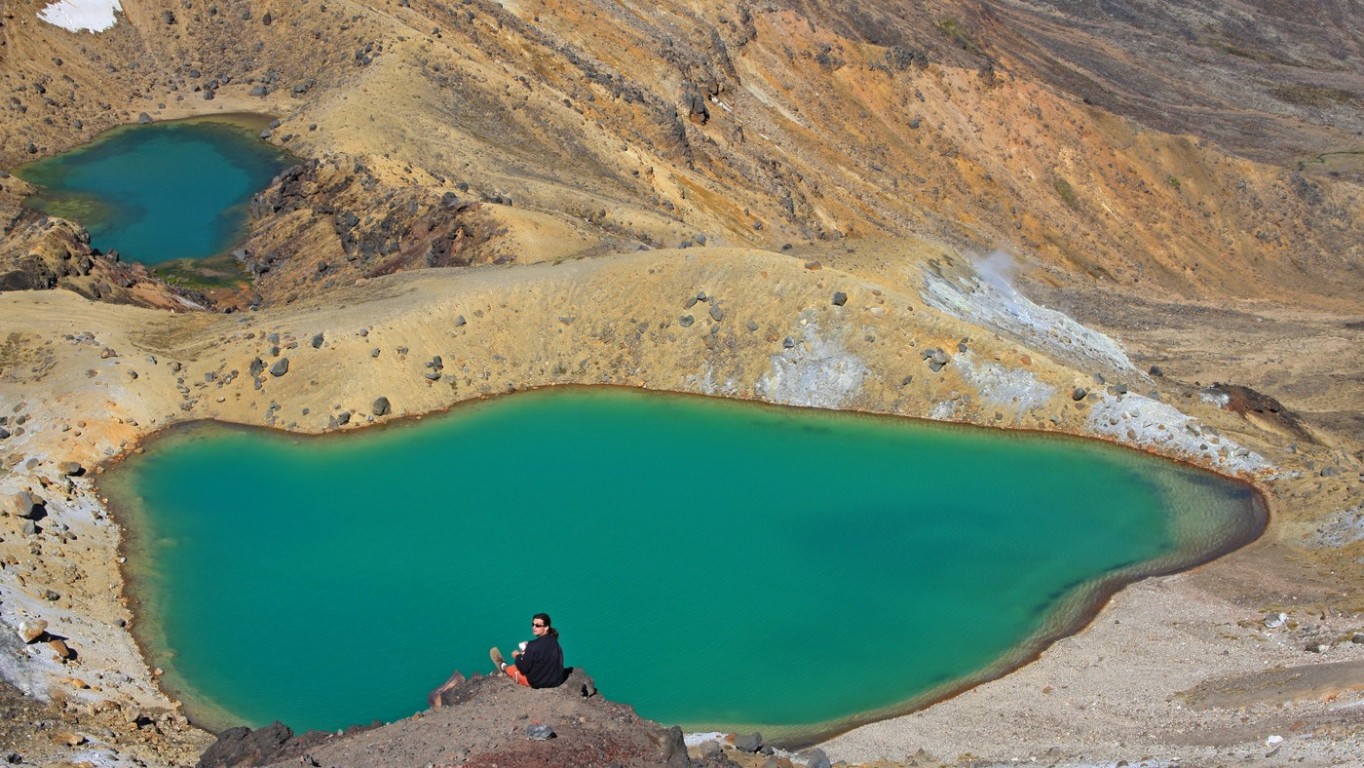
516, 675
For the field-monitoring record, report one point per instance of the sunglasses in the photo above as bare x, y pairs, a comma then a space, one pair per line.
537, 626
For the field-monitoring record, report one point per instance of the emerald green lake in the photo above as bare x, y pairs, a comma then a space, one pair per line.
159, 192
715, 564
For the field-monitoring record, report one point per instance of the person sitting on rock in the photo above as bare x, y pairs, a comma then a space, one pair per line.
540, 662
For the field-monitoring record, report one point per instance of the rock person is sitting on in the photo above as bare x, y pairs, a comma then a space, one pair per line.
540, 662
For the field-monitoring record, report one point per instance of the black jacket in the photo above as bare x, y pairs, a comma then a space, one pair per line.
542, 662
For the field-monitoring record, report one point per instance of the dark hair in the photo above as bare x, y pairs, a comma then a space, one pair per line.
545, 618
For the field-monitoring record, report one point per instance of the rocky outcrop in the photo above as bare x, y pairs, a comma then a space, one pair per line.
316, 227
1256, 405
242, 746
42, 253
480, 721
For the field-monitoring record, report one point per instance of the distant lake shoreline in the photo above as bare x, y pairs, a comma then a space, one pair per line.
162, 192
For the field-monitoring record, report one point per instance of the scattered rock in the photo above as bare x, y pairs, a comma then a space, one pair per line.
1078, 394
26, 505
460, 322
817, 759
70, 468
716, 313
840, 298
381, 406
280, 367
540, 732
62, 649
751, 742
242, 746
1317, 646
1275, 620
32, 631
317, 341
936, 358
685, 321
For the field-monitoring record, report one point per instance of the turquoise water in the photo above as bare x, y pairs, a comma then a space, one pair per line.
712, 563
159, 192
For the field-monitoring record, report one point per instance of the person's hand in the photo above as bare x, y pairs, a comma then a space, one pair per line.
515, 654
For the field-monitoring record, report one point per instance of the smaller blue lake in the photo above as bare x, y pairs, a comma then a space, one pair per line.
160, 192
715, 564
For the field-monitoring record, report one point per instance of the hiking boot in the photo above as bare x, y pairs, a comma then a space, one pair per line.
498, 661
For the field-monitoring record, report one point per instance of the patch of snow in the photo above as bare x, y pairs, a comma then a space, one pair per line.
815, 373
1141, 421
78, 15
988, 299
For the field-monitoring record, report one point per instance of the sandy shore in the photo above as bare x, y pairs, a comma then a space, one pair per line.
1173, 668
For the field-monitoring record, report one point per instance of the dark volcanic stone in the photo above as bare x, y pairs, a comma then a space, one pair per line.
280, 367
242, 747
381, 406
27, 507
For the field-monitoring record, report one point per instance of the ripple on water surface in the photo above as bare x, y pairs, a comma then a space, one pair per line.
715, 564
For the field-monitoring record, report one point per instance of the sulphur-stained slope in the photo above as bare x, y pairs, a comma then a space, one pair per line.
769, 125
